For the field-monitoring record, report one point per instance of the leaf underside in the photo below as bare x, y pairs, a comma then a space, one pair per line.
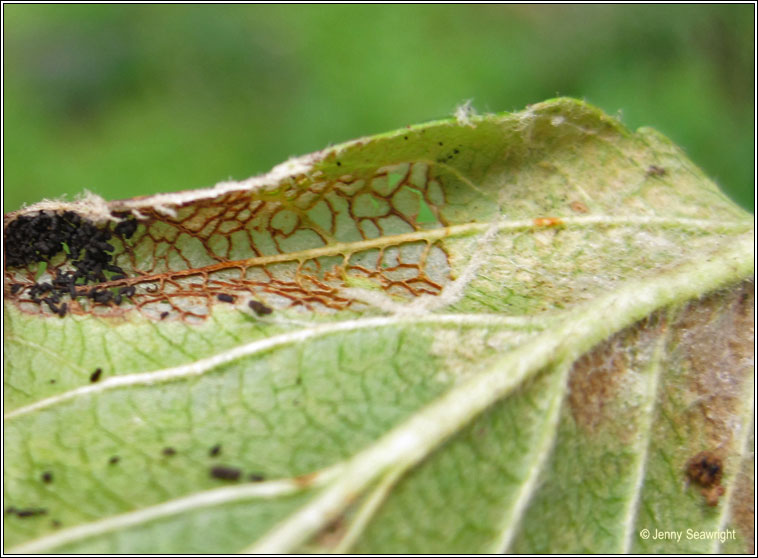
501, 333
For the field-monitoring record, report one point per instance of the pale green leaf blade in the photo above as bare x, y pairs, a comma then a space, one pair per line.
493, 333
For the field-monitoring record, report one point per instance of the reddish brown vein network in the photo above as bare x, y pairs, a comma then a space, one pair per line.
297, 245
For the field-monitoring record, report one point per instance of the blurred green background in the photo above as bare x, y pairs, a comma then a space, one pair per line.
127, 100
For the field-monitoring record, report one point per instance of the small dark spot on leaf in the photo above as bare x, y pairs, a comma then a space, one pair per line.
56, 524
113, 460
225, 473
25, 512
255, 477
223, 297
259, 308
31, 512
168, 451
215, 450
95, 376
339, 164
15, 287
47, 477
655, 170
164, 315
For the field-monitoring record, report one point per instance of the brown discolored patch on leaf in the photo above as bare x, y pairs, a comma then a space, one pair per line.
305, 480
713, 494
548, 222
601, 380
743, 503
706, 470
712, 348
328, 539
293, 243
594, 380
331, 535
579, 207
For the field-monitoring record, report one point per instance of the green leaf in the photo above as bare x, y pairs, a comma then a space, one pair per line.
499, 333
